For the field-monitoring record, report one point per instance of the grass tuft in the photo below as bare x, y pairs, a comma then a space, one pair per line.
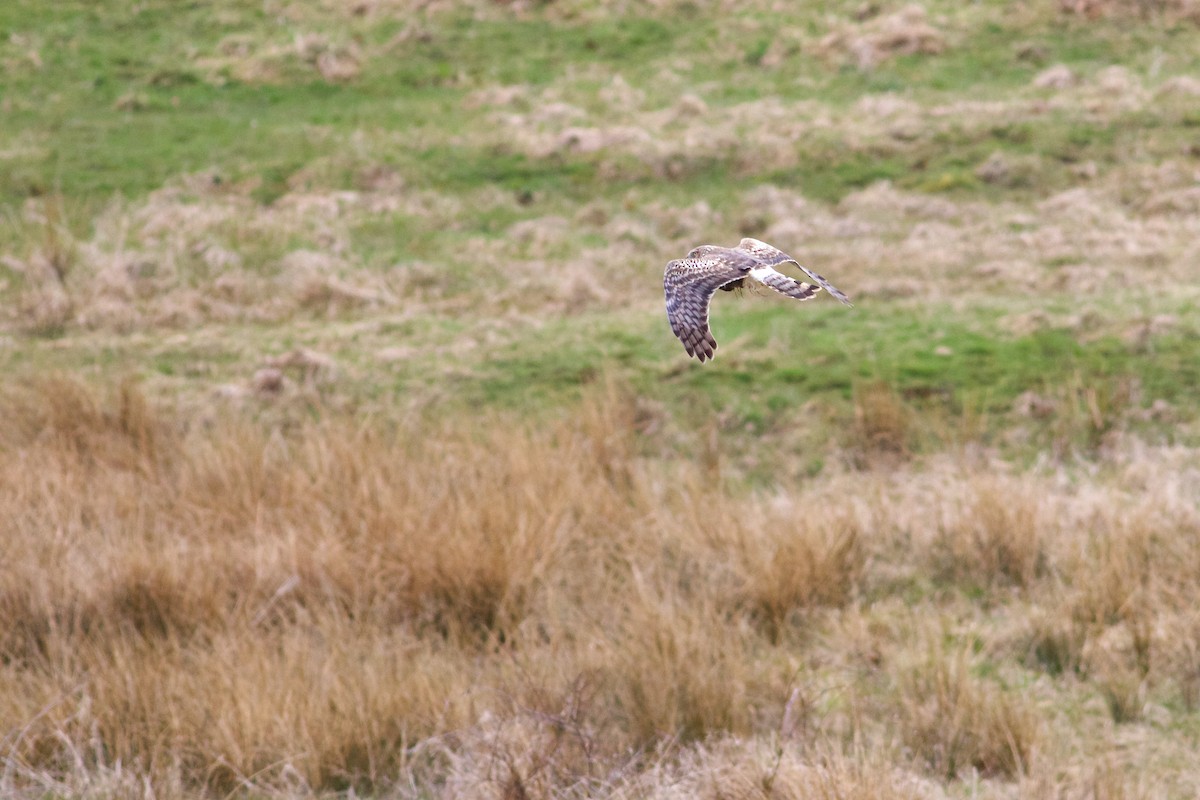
997, 539
881, 423
956, 720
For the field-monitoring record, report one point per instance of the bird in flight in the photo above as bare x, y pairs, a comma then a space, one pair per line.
690, 282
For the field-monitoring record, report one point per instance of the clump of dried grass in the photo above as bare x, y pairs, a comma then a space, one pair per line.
676, 675
798, 564
1169, 10
881, 424
261, 60
544, 739
906, 31
731, 769
68, 420
44, 303
955, 720
998, 538
1131, 596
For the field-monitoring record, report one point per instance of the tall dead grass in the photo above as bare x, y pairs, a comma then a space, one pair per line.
957, 720
483, 609
995, 539
236, 604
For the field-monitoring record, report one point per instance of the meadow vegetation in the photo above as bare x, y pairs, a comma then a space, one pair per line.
345, 451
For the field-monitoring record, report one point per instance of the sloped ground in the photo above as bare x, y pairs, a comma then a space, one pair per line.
346, 448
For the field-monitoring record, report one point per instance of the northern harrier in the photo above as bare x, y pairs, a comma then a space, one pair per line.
690, 283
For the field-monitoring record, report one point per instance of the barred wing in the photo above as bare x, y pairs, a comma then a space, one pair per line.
771, 256
689, 284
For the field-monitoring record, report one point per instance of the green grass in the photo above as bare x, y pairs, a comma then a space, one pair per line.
89, 146
182, 123
773, 361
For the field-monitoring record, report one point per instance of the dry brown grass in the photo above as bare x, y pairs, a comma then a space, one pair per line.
882, 427
996, 538
198, 252
904, 31
196, 601
957, 721
506, 612
1171, 11
203, 250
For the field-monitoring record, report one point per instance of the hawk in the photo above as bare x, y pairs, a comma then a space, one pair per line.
690, 283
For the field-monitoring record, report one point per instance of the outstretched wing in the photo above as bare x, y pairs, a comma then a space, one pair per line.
783, 284
689, 284
771, 256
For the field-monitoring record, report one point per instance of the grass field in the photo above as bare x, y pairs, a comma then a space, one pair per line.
345, 449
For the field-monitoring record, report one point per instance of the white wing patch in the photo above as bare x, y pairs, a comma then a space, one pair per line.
783, 284
772, 256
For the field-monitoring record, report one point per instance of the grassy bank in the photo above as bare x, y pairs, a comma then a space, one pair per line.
345, 449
